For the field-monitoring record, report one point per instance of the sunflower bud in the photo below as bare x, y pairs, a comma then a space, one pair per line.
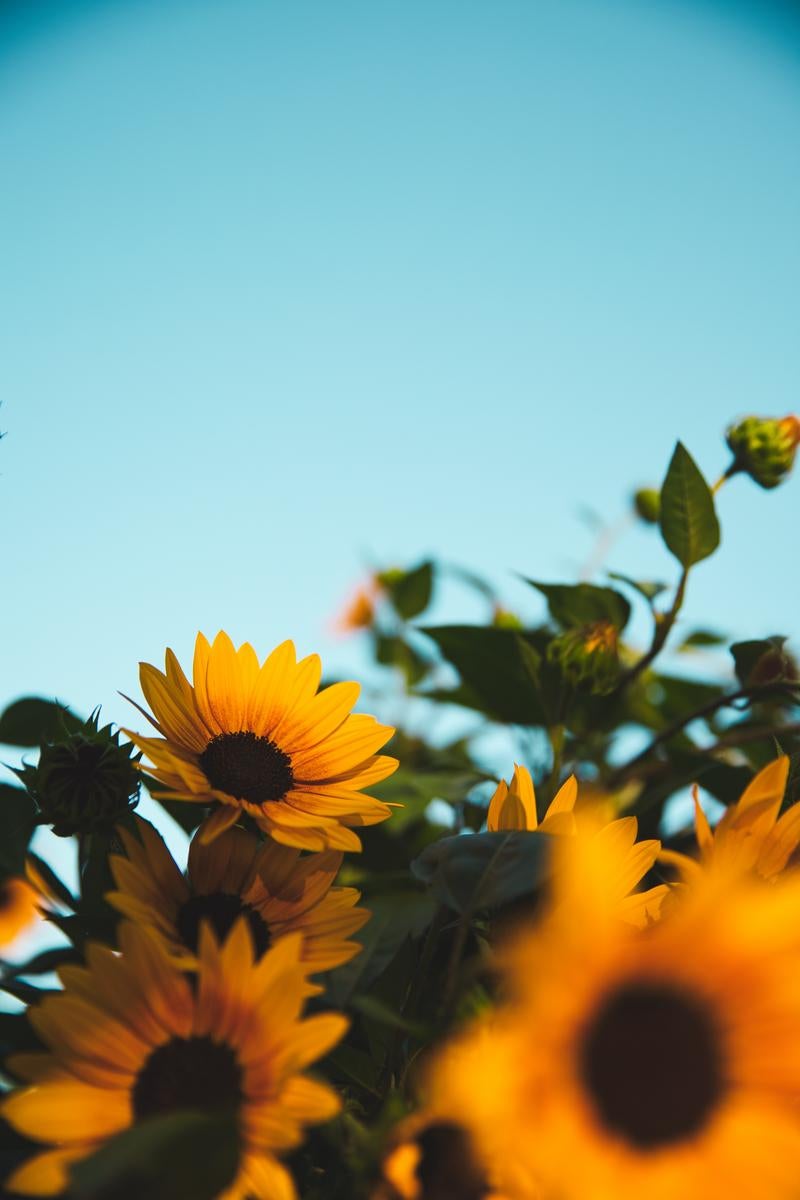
647, 505
764, 448
504, 618
85, 782
589, 657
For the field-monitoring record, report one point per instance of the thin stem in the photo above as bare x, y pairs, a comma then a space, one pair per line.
664, 623
556, 735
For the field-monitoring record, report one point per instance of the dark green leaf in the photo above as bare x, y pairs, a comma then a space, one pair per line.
411, 593
575, 605
395, 652
44, 963
33, 720
483, 870
191, 1154
17, 823
701, 638
394, 920
689, 522
761, 660
51, 880
497, 680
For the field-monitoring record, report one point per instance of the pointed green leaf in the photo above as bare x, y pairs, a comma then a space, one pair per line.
574, 605
689, 522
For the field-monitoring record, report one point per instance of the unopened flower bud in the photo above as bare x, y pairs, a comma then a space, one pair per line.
85, 782
647, 504
764, 448
589, 657
504, 618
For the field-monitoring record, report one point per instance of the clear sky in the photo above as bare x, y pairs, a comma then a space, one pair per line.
290, 286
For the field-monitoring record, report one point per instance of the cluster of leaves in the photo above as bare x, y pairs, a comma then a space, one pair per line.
574, 695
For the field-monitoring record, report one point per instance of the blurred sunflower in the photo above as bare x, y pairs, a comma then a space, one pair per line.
751, 836
262, 740
276, 890
513, 806
433, 1159
19, 908
661, 1062
130, 1038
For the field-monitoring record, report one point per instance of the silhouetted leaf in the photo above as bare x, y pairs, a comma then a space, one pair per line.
33, 720
17, 823
483, 870
191, 1154
575, 605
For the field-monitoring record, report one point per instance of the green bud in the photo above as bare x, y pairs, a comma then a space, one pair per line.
647, 504
589, 657
504, 618
764, 448
84, 782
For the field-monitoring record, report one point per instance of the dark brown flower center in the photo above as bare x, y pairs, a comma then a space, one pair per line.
447, 1168
247, 766
651, 1061
221, 909
188, 1073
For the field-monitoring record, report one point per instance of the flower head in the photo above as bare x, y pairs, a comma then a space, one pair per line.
629, 1063
751, 836
261, 740
764, 447
85, 781
588, 657
271, 886
131, 1038
513, 806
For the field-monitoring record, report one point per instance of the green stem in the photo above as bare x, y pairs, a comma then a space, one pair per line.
664, 623
556, 734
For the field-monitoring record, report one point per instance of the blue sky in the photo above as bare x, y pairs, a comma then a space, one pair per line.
289, 287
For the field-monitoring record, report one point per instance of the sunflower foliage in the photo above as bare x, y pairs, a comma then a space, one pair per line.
491, 950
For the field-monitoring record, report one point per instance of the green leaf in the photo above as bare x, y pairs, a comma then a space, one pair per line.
183, 1154
33, 720
411, 593
575, 605
44, 963
689, 522
52, 881
394, 920
496, 677
700, 639
17, 823
474, 871
761, 660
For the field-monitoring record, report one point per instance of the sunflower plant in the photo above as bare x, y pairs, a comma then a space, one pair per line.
536, 939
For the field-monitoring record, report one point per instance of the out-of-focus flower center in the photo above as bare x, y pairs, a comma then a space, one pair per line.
652, 1063
220, 909
247, 766
188, 1073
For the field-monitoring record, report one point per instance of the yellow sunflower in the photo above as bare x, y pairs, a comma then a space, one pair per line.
433, 1159
513, 806
131, 1038
751, 836
19, 908
262, 740
277, 891
662, 1062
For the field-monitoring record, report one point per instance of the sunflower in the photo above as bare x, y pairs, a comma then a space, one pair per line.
433, 1159
130, 1038
751, 836
277, 891
262, 740
661, 1062
19, 908
513, 806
